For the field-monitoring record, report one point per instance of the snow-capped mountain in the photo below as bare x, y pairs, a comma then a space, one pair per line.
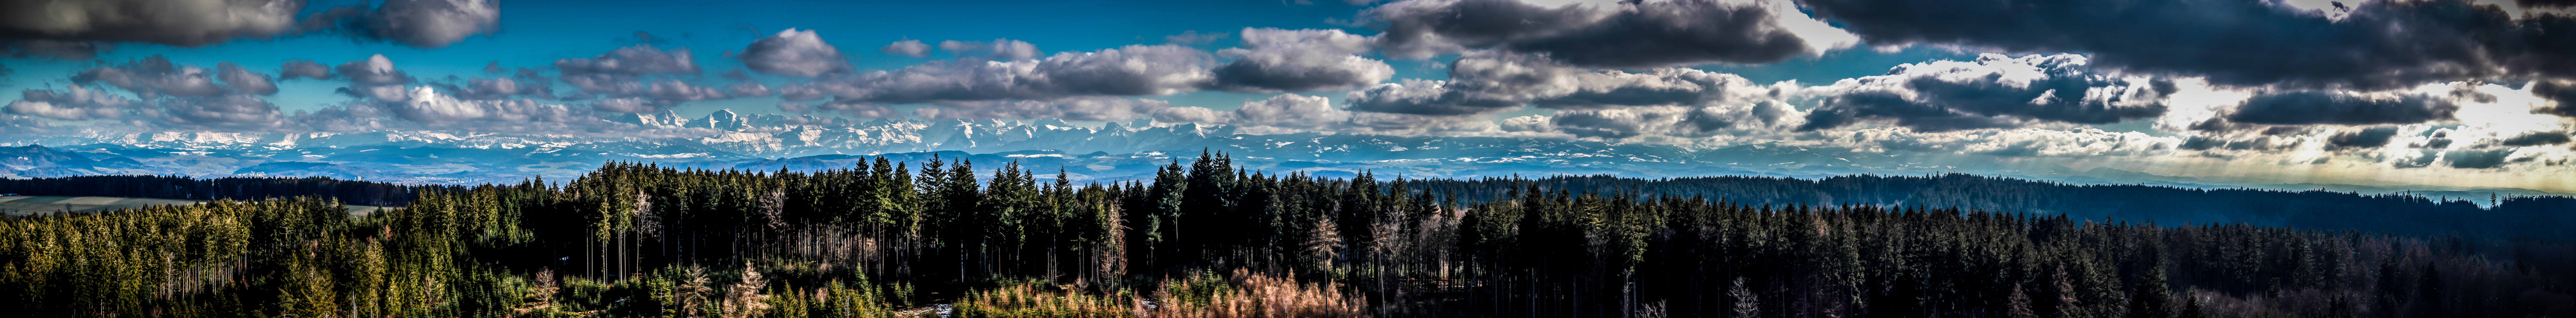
726, 140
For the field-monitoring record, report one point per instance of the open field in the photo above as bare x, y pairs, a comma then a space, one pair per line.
38, 205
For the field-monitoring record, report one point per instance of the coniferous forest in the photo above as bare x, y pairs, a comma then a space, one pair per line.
1203, 239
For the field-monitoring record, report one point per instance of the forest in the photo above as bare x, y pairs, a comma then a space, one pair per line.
1205, 239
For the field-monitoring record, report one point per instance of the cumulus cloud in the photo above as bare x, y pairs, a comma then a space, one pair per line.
496, 88
1289, 110
1995, 91
2366, 45
998, 49
1624, 35
912, 48
303, 69
1193, 37
1088, 108
76, 103
1276, 60
430, 24
1486, 82
636, 76
374, 77
154, 77
244, 80
1136, 70
794, 53
1663, 121
1281, 111
228, 112
428, 106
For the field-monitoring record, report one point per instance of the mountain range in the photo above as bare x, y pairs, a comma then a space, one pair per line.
1111, 151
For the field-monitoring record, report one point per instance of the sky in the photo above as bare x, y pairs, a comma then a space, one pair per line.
2445, 93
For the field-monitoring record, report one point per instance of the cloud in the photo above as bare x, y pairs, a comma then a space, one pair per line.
374, 77
912, 48
2364, 138
1662, 121
67, 50
634, 77
626, 105
430, 24
1625, 35
76, 103
244, 80
999, 49
2560, 92
74, 29
227, 112
2477, 159
497, 88
426, 105
1485, 82
1135, 70
629, 61
2370, 45
794, 53
1276, 60
303, 69
154, 77
2341, 108
1994, 91
1291, 111
1086, 108
1282, 111
1193, 37
2536, 139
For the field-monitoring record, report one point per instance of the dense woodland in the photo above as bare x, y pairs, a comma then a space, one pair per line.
239, 188
1206, 240
2503, 217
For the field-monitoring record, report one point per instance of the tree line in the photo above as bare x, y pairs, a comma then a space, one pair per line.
1204, 239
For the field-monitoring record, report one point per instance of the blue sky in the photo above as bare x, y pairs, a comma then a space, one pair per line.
2440, 92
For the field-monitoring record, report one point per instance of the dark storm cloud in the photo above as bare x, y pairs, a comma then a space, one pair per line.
2365, 138
2477, 159
2562, 92
2536, 139
1627, 35
1275, 60
794, 53
2374, 45
78, 29
1993, 92
2333, 108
